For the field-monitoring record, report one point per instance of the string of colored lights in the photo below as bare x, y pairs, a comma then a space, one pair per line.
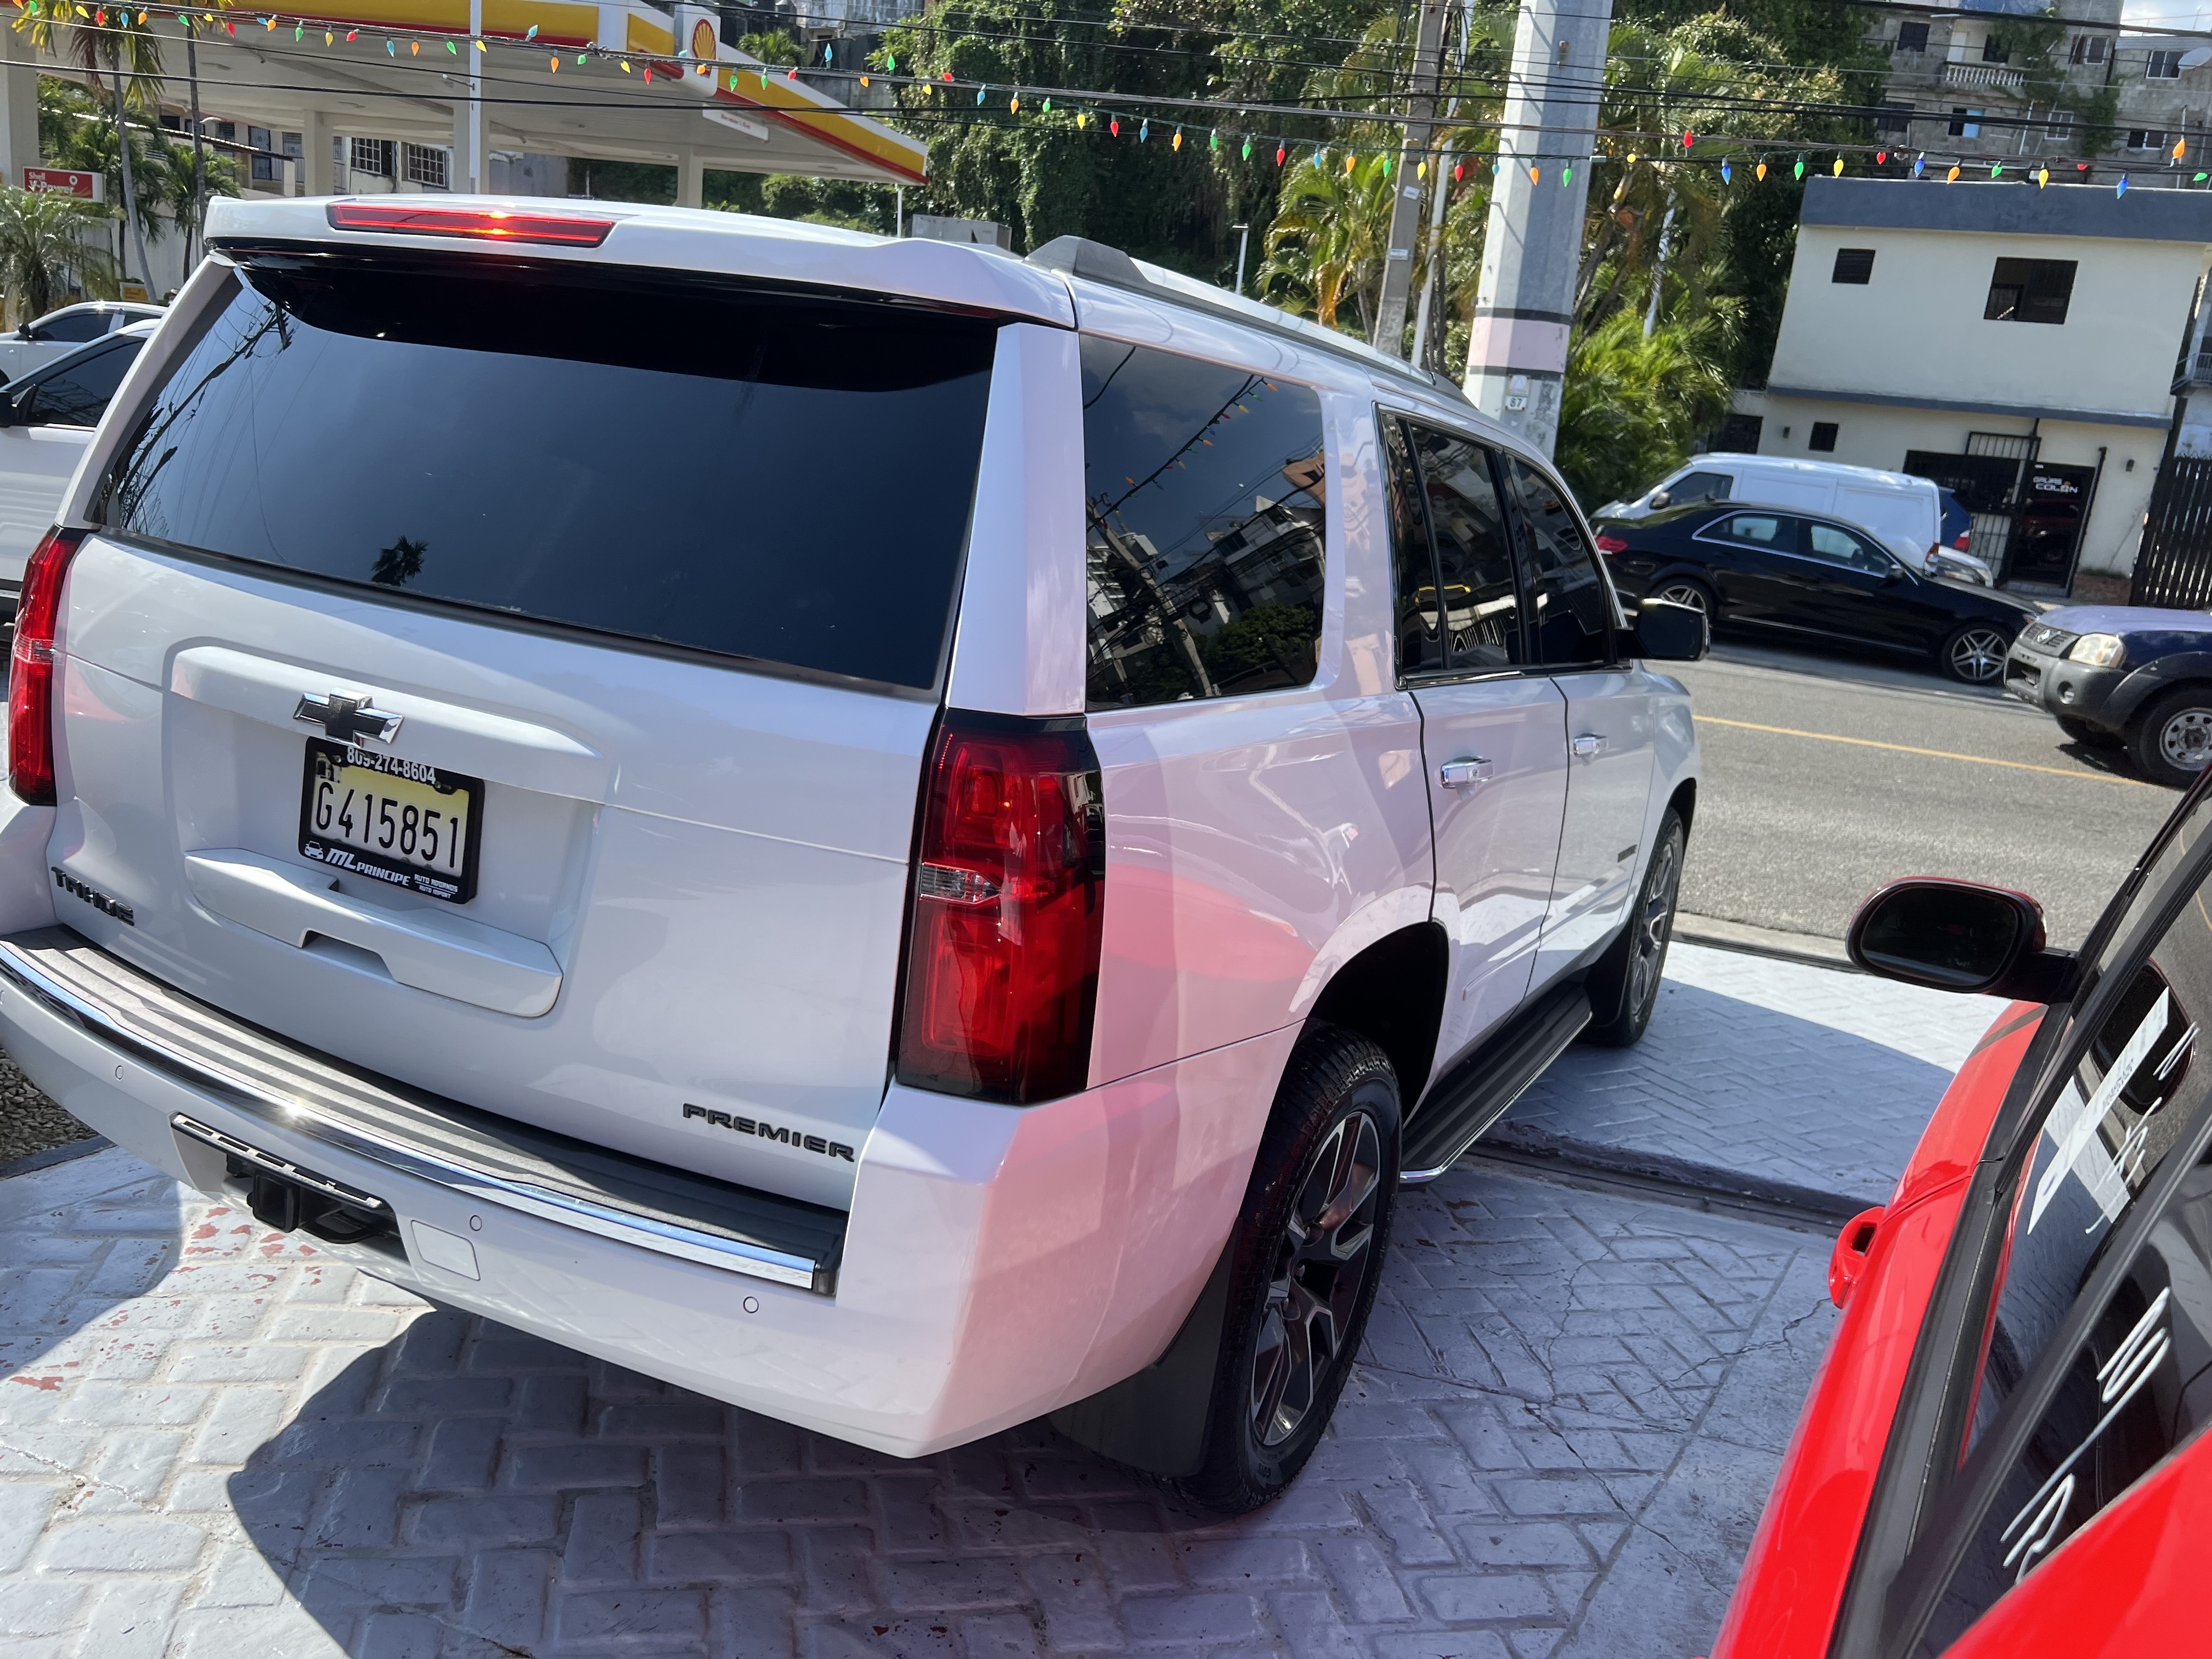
1084, 105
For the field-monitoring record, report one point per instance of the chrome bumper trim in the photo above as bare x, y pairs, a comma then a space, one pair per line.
300, 1117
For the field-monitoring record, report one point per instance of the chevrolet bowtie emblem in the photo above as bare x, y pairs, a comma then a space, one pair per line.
347, 719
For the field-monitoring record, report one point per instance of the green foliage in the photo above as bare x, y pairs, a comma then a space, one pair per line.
76, 131
45, 255
1268, 637
774, 47
1634, 404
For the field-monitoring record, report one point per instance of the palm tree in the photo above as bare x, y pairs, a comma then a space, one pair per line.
1634, 404
121, 44
41, 245
1326, 247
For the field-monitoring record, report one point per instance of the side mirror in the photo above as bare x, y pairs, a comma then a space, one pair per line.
1660, 498
1667, 632
1894, 574
1960, 936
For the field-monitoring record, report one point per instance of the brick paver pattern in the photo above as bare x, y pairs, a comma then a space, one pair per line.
216, 1441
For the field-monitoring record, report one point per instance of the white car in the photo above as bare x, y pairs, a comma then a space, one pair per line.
1903, 511
44, 339
47, 419
907, 839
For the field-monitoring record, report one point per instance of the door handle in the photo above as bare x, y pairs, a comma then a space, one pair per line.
1464, 773
1588, 744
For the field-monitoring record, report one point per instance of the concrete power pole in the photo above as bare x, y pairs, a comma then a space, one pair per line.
1405, 205
1532, 250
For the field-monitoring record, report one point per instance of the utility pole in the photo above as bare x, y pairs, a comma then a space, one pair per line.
1406, 204
1244, 236
1532, 252
193, 231
1424, 319
479, 163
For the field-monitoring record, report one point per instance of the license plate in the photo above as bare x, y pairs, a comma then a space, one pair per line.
394, 821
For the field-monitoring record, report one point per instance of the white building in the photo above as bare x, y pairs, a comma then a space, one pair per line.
2018, 345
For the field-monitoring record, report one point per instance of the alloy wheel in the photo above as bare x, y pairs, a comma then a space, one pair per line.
1322, 1265
1977, 655
1684, 594
1655, 925
2186, 739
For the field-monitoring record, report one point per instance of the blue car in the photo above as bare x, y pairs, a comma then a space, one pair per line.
2118, 676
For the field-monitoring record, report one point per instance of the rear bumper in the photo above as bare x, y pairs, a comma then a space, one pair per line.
997, 1263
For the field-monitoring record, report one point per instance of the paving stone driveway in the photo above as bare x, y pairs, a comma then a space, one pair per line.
214, 1442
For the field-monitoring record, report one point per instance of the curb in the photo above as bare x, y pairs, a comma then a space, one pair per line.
54, 1155
1522, 1142
1810, 949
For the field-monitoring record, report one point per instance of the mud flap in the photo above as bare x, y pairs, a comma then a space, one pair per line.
1157, 1420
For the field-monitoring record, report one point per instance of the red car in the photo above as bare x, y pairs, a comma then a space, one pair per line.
2001, 1455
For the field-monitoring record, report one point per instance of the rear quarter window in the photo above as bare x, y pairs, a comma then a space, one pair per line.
769, 475
1206, 505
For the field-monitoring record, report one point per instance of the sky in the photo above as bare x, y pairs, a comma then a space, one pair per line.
2168, 14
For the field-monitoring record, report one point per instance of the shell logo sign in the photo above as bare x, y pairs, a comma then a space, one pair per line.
703, 42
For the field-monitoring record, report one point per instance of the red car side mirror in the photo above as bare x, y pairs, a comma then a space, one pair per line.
1960, 936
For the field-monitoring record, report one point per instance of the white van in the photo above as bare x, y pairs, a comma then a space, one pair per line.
1904, 512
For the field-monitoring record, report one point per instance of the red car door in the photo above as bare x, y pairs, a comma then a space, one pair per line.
2012, 1403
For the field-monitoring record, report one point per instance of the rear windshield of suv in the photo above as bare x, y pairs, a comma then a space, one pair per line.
760, 474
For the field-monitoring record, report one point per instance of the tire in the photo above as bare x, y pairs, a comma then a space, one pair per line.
1623, 988
1976, 654
1685, 590
2172, 739
1331, 1137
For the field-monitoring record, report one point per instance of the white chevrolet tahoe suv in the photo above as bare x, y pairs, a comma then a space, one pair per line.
903, 837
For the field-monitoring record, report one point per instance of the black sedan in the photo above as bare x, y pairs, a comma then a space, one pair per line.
1812, 579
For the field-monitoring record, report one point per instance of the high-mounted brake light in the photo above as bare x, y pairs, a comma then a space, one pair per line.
1007, 911
482, 224
31, 672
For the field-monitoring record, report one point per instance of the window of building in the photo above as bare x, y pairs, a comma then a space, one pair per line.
372, 156
1965, 122
2163, 66
2091, 48
2146, 138
227, 131
1204, 489
2030, 291
264, 162
339, 149
1823, 438
1912, 37
426, 166
1894, 118
2058, 126
1855, 266
1994, 49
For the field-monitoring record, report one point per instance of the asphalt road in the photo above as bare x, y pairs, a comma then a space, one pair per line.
1825, 777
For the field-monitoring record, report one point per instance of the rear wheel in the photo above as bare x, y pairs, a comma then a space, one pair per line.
1681, 590
1302, 1269
1976, 654
1624, 988
2172, 739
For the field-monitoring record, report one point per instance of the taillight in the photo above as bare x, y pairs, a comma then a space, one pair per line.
565, 229
1963, 540
1008, 902
1608, 542
31, 671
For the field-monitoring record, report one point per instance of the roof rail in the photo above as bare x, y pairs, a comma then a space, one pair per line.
1110, 267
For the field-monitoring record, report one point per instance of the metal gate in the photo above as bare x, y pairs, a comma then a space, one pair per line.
2175, 567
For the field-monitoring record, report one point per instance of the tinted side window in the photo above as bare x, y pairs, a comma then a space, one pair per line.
1480, 600
78, 395
1205, 493
1412, 566
1699, 487
1834, 545
77, 326
1770, 530
1570, 607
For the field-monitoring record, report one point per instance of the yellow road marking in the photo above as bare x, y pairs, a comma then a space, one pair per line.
1937, 754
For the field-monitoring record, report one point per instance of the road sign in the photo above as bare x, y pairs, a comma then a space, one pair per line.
66, 181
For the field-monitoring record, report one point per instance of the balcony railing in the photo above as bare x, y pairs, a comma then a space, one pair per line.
1985, 77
